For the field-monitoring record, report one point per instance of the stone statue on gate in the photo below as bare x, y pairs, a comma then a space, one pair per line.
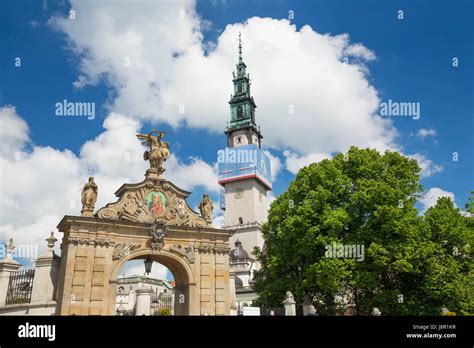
10, 248
159, 150
89, 197
290, 304
51, 240
206, 207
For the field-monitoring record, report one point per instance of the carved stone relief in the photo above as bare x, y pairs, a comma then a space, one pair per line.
88, 241
124, 249
158, 232
204, 249
187, 252
153, 201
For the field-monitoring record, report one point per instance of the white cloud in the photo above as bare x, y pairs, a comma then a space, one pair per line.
188, 176
423, 133
334, 104
270, 198
359, 50
302, 70
295, 162
318, 103
431, 196
275, 164
428, 167
117, 145
13, 133
218, 221
32, 235
44, 184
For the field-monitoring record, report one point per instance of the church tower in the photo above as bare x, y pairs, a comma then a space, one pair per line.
244, 174
242, 129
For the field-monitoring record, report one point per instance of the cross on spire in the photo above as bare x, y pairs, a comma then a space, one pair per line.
240, 47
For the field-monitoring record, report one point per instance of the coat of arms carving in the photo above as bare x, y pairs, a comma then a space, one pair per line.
158, 232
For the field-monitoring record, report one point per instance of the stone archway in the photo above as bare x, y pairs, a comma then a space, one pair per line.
94, 246
183, 276
94, 249
149, 218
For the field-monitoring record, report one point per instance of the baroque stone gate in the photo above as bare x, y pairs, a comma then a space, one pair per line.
149, 219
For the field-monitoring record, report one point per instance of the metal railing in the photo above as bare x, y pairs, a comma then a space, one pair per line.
20, 285
162, 304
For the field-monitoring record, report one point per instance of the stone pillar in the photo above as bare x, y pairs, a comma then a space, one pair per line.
206, 291
376, 312
232, 296
46, 275
290, 304
221, 278
143, 301
7, 266
308, 309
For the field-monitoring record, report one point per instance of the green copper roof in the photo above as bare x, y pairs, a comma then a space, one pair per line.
242, 104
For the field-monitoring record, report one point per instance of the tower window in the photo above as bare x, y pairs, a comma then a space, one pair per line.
239, 88
241, 220
239, 140
239, 112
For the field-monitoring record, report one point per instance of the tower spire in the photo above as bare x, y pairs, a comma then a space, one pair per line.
240, 47
242, 107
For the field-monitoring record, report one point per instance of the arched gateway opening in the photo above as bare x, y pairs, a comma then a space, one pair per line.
137, 273
182, 277
150, 219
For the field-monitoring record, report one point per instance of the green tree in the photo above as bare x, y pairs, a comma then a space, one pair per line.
470, 204
470, 211
364, 199
448, 278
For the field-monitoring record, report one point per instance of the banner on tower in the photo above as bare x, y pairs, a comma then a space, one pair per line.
244, 162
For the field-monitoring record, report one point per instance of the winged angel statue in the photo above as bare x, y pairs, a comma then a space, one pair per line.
159, 149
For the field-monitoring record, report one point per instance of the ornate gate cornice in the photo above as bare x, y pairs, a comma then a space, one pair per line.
152, 200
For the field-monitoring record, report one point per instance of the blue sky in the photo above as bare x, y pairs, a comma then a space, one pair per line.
413, 64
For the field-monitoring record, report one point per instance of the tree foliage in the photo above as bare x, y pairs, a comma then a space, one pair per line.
366, 199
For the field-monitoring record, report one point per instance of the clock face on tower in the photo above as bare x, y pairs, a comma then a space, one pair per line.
238, 194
